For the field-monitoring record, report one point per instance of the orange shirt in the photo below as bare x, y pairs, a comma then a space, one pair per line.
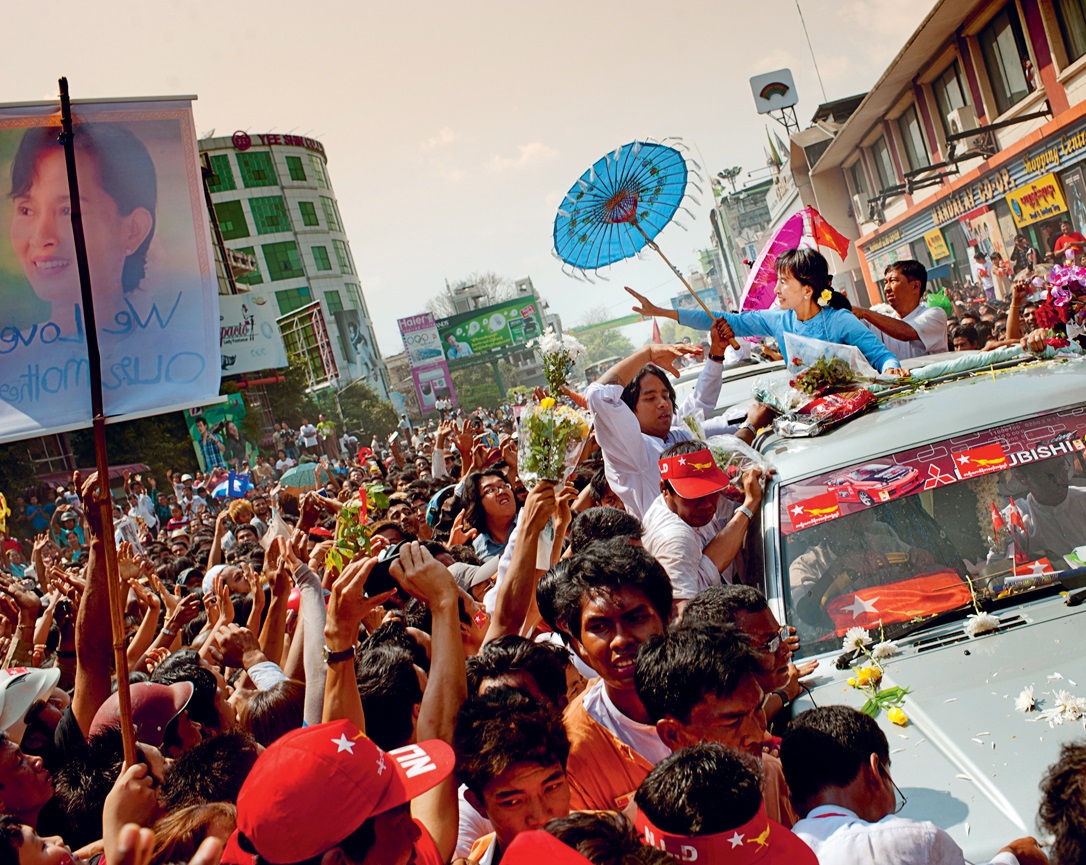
603, 772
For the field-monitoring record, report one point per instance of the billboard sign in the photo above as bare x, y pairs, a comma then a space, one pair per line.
358, 351
774, 91
1039, 199
249, 338
156, 300
502, 325
429, 371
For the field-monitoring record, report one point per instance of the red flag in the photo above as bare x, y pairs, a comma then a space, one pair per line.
980, 461
1016, 516
998, 524
656, 332
815, 510
923, 595
826, 235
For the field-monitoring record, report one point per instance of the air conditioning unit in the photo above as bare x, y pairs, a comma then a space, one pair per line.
962, 120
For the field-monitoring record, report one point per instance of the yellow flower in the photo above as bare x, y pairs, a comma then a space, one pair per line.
853, 682
869, 676
825, 297
546, 402
897, 716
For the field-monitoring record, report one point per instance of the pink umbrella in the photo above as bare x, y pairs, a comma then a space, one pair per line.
806, 228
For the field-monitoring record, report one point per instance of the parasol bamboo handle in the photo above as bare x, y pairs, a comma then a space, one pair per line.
733, 342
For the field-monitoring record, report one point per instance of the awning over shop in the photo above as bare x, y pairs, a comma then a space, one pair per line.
943, 271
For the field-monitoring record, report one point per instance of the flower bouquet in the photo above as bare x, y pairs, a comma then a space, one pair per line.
552, 431
1063, 311
353, 528
732, 455
868, 678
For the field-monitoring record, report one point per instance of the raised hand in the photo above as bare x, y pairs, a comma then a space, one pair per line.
421, 575
667, 356
646, 307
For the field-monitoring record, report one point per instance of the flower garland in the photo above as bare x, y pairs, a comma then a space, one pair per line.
868, 678
1063, 311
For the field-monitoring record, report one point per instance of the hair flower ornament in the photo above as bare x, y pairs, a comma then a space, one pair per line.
825, 298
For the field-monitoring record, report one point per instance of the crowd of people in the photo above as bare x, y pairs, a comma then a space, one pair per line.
579, 672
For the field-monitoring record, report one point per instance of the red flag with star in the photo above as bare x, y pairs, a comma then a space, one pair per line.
923, 595
998, 524
815, 510
980, 461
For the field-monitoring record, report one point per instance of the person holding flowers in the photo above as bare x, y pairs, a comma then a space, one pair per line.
809, 307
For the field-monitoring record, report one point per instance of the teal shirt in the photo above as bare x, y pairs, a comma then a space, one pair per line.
830, 325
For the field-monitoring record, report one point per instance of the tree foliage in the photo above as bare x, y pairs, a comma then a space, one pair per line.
289, 400
162, 443
476, 387
603, 343
495, 289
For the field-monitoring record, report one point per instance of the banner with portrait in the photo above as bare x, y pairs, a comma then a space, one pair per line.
429, 371
150, 257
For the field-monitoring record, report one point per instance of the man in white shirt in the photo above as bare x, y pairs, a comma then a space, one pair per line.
1053, 515
635, 416
919, 329
692, 528
308, 433
837, 764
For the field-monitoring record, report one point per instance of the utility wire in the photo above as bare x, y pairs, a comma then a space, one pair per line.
811, 49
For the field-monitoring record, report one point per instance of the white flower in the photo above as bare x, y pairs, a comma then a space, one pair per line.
855, 638
573, 347
1071, 706
885, 649
981, 623
1026, 701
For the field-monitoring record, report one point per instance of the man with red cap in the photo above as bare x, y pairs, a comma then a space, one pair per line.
693, 529
328, 793
704, 804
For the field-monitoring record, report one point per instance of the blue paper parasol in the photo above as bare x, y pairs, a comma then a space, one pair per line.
617, 207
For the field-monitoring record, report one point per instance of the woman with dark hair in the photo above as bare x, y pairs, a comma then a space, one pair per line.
490, 509
809, 306
118, 195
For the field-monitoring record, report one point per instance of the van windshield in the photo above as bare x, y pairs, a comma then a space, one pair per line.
913, 534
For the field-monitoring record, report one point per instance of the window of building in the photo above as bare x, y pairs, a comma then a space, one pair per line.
256, 169
355, 294
949, 90
334, 302
320, 256
317, 165
253, 278
283, 260
231, 218
884, 165
222, 179
331, 215
343, 256
859, 181
916, 151
295, 167
1006, 59
290, 299
309, 213
269, 214
1072, 17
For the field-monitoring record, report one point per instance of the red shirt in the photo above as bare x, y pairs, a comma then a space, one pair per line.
426, 852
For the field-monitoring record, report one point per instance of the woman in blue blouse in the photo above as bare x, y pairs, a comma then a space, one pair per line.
808, 307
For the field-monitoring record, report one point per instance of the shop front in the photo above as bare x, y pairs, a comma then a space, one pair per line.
1027, 189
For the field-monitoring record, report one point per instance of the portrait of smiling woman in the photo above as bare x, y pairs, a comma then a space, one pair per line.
118, 195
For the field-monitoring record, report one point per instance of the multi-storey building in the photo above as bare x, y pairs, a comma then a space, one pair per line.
274, 202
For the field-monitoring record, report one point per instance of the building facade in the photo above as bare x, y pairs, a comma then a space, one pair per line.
274, 203
975, 133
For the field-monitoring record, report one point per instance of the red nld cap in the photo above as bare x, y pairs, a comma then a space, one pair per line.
693, 475
535, 846
315, 785
322, 532
759, 840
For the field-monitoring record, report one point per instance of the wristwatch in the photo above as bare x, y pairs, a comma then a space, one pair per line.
331, 657
784, 698
719, 358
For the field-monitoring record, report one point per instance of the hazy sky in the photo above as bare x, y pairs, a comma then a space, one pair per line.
454, 129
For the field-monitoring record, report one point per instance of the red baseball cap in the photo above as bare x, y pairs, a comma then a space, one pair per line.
315, 785
531, 848
322, 532
693, 475
153, 707
759, 840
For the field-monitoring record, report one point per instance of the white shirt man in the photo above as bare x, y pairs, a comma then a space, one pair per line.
919, 329
308, 432
692, 529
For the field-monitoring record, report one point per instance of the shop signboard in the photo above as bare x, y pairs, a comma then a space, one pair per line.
1037, 200
936, 244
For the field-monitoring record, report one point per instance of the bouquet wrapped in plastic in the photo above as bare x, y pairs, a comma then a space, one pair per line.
552, 431
732, 455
